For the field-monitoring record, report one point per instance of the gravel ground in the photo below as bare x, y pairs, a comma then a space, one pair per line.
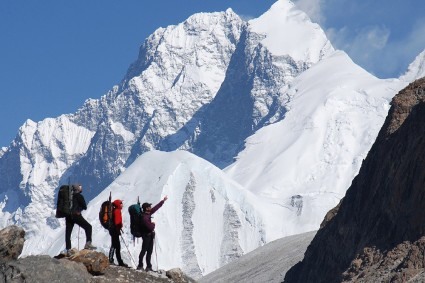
266, 264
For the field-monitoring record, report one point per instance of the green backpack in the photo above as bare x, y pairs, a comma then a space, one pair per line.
136, 219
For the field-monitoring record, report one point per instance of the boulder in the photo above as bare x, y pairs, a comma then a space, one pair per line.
94, 261
12, 240
177, 276
34, 269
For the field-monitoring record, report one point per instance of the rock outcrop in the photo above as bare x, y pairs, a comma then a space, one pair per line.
42, 268
83, 266
11, 243
95, 262
376, 234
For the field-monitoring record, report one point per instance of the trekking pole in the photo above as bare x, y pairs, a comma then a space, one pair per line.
122, 238
156, 255
78, 237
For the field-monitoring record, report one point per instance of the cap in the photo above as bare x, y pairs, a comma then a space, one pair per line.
77, 188
146, 205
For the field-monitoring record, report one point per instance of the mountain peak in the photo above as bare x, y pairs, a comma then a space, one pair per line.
416, 69
289, 31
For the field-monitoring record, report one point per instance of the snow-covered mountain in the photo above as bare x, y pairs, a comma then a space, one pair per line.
272, 51
308, 159
288, 117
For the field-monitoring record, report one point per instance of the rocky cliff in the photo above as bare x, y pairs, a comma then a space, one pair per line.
377, 233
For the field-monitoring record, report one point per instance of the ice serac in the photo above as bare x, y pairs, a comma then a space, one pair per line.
377, 234
205, 217
416, 69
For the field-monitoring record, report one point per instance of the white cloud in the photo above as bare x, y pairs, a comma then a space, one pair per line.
365, 46
372, 38
313, 8
403, 51
415, 41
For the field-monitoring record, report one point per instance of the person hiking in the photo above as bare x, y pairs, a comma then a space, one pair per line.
115, 232
148, 233
78, 205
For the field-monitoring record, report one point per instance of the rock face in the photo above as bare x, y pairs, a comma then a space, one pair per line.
377, 232
11, 243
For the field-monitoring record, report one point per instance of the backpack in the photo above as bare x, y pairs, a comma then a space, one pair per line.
136, 224
105, 214
64, 203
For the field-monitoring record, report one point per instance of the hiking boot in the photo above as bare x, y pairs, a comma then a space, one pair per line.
123, 264
66, 252
89, 246
139, 267
111, 255
148, 269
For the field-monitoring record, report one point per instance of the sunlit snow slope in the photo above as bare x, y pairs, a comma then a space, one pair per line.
307, 161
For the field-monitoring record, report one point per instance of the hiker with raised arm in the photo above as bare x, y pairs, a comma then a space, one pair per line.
148, 233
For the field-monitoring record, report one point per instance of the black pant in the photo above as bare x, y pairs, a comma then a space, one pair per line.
115, 246
80, 221
147, 247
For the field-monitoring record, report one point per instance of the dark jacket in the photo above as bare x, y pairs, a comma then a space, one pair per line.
78, 203
146, 218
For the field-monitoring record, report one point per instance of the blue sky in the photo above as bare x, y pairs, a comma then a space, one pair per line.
54, 54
